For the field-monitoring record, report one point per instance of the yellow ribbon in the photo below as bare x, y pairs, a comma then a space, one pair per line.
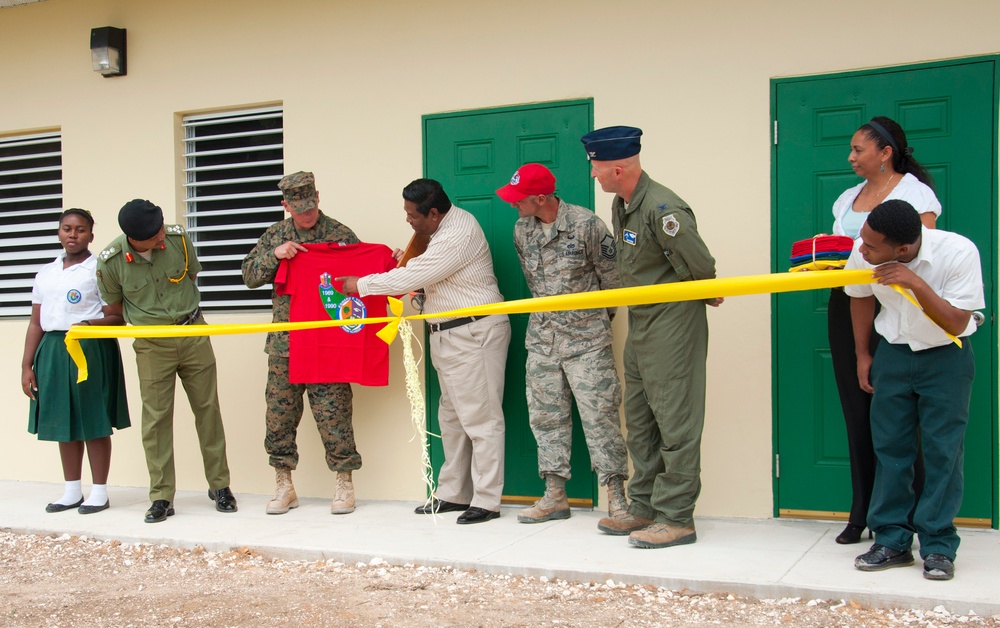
640, 295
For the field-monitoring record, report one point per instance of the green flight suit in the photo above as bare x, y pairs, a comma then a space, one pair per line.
665, 352
162, 291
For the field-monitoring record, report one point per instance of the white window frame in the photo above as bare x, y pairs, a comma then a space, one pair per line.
30, 205
226, 215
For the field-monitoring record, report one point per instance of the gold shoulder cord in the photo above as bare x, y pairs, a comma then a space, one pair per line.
184, 274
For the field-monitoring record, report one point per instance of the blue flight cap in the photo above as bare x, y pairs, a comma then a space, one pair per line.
611, 143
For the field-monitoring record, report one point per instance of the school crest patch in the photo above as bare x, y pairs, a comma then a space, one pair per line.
340, 307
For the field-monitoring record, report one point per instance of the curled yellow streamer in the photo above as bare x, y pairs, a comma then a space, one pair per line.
639, 295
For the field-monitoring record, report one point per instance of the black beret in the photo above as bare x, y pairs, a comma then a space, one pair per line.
140, 220
612, 143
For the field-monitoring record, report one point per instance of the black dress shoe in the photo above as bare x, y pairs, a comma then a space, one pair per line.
439, 505
880, 557
477, 515
89, 510
938, 567
159, 511
852, 534
62, 507
225, 501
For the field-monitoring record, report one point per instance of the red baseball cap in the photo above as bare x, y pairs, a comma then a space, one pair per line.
529, 179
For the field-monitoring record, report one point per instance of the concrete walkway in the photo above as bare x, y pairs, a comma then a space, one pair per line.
769, 558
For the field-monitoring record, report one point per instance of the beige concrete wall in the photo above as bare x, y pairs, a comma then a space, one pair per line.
354, 79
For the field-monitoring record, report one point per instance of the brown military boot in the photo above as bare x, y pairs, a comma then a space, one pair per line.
662, 535
552, 505
343, 499
620, 525
284, 493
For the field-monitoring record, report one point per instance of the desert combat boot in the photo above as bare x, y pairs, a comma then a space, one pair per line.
662, 535
552, 505
343, 499
284, 493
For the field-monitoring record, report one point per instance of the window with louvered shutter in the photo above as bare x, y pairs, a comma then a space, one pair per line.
234, 161
30, 205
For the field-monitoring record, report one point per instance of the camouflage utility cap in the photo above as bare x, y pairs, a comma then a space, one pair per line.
299, 190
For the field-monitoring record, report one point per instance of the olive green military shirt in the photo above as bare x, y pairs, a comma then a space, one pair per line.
160, 291
260, 266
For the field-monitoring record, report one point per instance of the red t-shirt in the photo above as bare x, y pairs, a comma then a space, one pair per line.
352, 353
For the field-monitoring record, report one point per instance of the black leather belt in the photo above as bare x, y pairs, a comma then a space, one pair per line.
457, 322
190, 318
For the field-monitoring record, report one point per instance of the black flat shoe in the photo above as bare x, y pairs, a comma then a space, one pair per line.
159, 511
852, 534
880, 557
439, 505
225, 501
477, 515
89, 510
62, 507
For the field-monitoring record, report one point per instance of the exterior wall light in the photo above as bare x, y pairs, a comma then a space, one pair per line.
107, 51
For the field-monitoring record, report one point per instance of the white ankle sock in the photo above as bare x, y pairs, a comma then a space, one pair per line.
72, 495
98, 495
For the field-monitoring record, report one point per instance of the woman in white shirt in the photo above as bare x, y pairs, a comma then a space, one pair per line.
880, 155
77, 416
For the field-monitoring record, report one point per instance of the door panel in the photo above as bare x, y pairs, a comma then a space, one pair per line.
948, 112
472, 154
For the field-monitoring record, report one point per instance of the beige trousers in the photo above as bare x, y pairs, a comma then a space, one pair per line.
470, 362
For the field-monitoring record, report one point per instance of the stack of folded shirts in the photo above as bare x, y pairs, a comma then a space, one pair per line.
820, 252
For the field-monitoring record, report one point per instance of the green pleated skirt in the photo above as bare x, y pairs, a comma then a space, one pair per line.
65, 411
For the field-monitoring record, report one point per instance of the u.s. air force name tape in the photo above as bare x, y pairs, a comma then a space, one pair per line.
639, 295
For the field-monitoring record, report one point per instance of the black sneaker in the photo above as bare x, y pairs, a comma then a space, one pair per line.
938, 567
880, 557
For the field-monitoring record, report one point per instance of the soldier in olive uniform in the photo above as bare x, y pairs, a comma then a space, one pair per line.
331, 403
147, 275
566, 249
667, 343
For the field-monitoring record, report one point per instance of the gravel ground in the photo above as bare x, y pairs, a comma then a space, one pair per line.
77, 581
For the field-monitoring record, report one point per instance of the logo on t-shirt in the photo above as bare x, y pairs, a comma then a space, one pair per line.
340, 307
74, 296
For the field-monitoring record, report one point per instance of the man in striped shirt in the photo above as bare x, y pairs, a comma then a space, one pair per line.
468, 353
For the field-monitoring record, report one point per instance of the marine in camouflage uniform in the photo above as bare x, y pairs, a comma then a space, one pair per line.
161, 290
667, 344
331, 403
569, 352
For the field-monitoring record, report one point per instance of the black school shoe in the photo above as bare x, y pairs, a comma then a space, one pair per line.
880, 557
61, 507
938, 567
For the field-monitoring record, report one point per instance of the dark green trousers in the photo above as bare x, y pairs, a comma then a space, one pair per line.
925, 392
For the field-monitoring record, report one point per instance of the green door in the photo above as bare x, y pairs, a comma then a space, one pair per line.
949, 113
472, 153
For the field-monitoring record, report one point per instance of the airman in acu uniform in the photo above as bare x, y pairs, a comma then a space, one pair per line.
666, 347
566, 249
148, 274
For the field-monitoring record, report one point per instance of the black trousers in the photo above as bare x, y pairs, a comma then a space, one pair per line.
856, 405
